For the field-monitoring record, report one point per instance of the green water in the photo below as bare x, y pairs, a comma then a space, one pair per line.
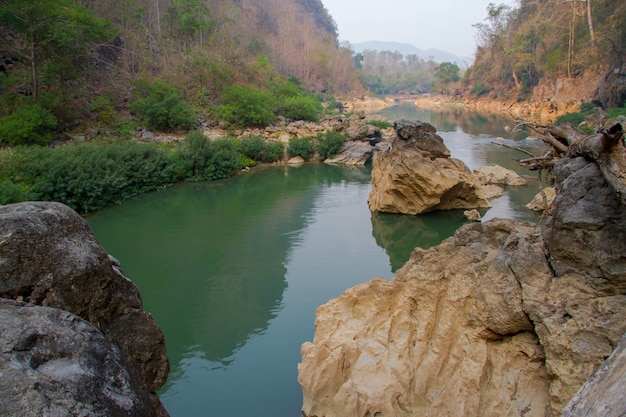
233, 270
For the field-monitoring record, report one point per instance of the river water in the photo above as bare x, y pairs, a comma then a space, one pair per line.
233, 270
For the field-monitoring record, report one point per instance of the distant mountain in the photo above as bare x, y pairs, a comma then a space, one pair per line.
405, 49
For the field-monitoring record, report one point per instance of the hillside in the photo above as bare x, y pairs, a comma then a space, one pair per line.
545, 50
67, 63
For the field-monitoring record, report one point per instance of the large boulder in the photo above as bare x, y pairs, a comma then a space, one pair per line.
495, 174
417, 175
53, 363
504, 318
50, 257
356, 153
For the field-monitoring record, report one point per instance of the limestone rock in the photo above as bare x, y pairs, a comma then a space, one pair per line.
352, 153
364, 132
296, 160
472, 215
495, 174
447, 336
537, 203
52, 363
603, 395
501, 319
417, 175
50, 257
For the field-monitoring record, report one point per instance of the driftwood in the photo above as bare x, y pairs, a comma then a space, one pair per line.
605, 147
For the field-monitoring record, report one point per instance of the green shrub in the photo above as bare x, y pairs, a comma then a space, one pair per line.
210, 160
381, 124
246, 106
88, 176
27, 125
303, 147
329, 144
301, 107
162, 107
480, 89
12, 192
259, 150
573, 118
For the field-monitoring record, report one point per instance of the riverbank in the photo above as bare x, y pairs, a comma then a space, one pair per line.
541, 112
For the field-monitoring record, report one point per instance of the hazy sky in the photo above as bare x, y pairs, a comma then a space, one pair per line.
441, 24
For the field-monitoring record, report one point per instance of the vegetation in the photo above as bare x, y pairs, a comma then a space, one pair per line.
545, 40
388, 72
329, 144
160, 105
304, 147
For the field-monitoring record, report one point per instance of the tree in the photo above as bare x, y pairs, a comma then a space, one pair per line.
51, 29
447, 72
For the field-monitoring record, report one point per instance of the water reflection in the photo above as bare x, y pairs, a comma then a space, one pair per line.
399, 234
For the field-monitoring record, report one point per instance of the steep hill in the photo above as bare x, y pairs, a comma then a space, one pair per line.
546, 50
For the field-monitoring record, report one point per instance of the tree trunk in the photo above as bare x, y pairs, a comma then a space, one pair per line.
33, 65
590, 21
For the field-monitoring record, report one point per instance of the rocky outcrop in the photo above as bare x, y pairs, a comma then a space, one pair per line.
603, 394
417, 175
50, 257
543, 200
52, 363
501, 319
356, 153
495, 174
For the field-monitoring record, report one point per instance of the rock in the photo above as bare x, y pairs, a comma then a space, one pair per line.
50, 257
501, 319
537, 203
52, 363
296, 160
495, 174
364, 132
147, 135
603, 394
447, 336
489, 191
352, 153
417, 175
472, 215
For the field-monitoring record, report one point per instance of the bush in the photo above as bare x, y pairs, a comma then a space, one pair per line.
301, 107
301, 147
210, 160
11, 192
329, 144
381, 124
87, 176
246, 106
162, 107
27, 125
259, 150
480, 89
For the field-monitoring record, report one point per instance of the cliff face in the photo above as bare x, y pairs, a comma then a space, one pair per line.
50, 257
501, 319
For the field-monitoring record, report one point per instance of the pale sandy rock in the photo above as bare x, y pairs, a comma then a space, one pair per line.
441, 339
495, 174
538, 204
472, 215
489, 191
501, 319
604, 394
296, 160
417, 175
352, 153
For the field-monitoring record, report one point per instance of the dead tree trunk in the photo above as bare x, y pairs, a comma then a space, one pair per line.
605, 147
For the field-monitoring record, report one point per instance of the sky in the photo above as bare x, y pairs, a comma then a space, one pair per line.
440, 24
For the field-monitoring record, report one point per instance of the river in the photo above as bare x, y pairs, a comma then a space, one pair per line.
233, 270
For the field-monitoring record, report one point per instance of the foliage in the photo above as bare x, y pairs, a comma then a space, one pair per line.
162, 107
203, 159
447, 72
381, 124
329, 144
257, 149
28, 124
87, 176
479, 89
244, 106
303, 147
387, 72
301, 107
